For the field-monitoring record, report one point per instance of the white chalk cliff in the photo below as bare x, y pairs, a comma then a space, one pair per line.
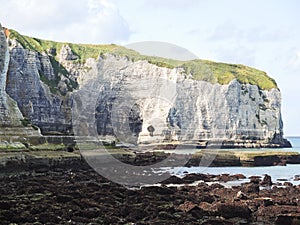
141, 102
137, 101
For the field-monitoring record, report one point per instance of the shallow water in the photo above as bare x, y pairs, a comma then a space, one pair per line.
295, 141
278, 173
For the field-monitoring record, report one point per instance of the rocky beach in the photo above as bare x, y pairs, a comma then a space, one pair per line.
75, 194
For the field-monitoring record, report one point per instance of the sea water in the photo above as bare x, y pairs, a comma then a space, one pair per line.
278, 173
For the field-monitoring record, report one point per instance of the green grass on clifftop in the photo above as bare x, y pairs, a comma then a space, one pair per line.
200, 69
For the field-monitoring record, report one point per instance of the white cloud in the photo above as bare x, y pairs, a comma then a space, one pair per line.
170, 4
92, 21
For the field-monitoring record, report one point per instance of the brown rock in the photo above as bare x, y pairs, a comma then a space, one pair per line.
159, 190
190, 178
266, 160
267, 181
187, 206
216, 221
173, 180
216, 186
234, 209
264, 201
255, 179
239, 176
210, 209
250, 187
288, 184
224, 177
241, 195
193, 209
290, 219
297, 178
282, 214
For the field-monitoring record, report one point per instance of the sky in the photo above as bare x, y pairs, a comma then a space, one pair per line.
262, 34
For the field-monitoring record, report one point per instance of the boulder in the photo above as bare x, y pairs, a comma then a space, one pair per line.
267, 181
233, 209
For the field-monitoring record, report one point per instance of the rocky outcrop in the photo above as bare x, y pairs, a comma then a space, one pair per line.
12, 131
32, 82
9, 112
139, 102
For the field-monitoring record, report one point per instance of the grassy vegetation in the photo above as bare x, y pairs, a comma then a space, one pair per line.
83, 51
52, 154
39, 45
25, 122
52, 84
48, 147
200, 69
11, 147
59, 69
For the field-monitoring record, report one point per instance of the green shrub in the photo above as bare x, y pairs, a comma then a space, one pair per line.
25, 122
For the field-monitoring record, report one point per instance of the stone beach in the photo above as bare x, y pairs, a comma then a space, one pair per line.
75, 194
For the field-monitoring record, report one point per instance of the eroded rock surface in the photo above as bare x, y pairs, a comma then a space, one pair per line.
10, 114
12, 131
137, 101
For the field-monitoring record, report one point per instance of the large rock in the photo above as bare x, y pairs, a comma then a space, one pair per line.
267, 181
235, 209
250, 187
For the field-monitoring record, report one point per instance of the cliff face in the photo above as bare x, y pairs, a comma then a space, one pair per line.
9, 112
11, 128
161, 104
29, 74
137, 101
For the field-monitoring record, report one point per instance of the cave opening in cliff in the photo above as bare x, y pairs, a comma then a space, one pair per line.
135, 120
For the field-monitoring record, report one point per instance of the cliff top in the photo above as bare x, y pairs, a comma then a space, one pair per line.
210, 71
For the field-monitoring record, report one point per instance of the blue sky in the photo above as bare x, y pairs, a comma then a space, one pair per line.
263, 34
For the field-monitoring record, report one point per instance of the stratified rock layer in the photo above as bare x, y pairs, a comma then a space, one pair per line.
9, 112
47, 110
139, 102
144, 103
11, 128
